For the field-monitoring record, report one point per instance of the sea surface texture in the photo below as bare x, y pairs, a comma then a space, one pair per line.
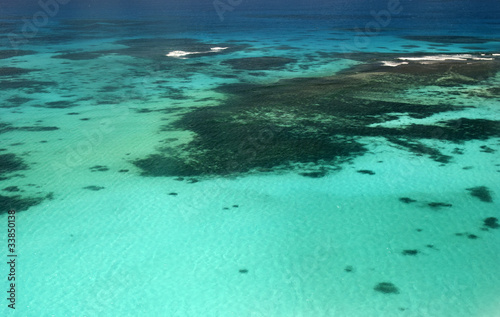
250, 158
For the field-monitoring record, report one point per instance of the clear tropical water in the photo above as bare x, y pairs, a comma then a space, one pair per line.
247, 158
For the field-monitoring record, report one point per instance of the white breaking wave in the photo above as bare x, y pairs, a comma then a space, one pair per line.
183, 54
435, 58
393, 64
218, 49
179, 53
456, 57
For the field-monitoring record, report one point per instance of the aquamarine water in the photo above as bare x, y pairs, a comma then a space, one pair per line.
251, 158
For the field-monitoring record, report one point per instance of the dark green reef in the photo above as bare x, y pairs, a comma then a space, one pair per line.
314, 124
12, 166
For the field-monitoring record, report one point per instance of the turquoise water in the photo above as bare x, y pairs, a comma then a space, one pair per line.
269, 166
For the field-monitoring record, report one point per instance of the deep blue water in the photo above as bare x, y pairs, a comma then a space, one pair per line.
242, 158
445, 17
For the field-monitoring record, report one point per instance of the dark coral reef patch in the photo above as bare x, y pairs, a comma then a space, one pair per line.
449, 39
94, 188
438, 205
13, 53
259, 63
407, 200
18, 203
386, 288
14, 71
10, 163
491, 222
310, 122
7, 127
482, 193
410, 252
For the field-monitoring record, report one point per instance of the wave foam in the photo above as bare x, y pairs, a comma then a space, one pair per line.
183, 54
393, 64
456, 57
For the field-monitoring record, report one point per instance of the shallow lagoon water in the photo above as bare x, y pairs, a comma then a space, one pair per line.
223, 184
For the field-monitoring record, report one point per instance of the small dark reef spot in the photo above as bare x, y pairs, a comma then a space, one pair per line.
438, 205
99, 168
366, 172
491, 222
386, 288
481, 192
314, 174
11, 189
407, 200
410, 252
93, 187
